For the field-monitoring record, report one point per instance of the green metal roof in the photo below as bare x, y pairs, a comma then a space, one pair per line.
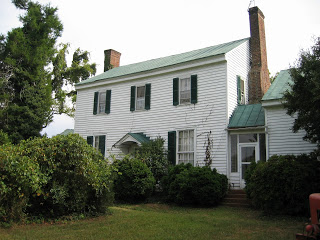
140, 137
166, 61
66, 132
279, 86
247, 116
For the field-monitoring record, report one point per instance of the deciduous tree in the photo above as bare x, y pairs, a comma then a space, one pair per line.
304, 97
33, 72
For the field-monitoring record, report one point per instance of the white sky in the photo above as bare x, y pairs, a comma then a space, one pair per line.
148, 29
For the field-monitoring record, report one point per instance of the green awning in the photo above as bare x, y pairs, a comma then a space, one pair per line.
130, 138
247, 116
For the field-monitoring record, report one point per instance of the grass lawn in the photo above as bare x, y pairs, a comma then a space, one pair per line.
159, 221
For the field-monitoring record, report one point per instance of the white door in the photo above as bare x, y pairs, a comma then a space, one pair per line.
248, 153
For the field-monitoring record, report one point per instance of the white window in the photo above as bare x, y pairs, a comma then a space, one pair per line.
140, 101
102, 102
241, 94
185, 90
96, 142
242, 100
186, 146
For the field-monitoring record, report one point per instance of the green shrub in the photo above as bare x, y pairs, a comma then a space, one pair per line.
4, 138
154, 155
134, 181
200, 186
54, 177
283, 184
20, 177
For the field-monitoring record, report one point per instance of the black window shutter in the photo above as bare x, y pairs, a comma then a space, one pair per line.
95, 103
175, 91
239, 89
90, 140
148, 96
194, 89
172, 147
102, 144
108, 101
133, 98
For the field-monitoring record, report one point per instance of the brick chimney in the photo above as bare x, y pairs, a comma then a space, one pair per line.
259, 81
111, 59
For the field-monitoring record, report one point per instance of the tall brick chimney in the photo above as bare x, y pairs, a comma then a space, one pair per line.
111, 59
259, 81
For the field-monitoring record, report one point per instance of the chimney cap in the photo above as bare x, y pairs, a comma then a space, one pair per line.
111, 50
255, 10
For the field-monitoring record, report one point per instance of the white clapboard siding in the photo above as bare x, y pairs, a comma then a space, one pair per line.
281, 139
238, 65
209, 114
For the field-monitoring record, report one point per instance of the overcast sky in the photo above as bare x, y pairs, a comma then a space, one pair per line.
148, 29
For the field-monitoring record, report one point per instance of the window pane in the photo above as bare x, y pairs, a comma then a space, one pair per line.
186, 147
102, 102
140, 98
248, 154
244, 169
140, 92
247, 138
96, 142
234, 153
185, 90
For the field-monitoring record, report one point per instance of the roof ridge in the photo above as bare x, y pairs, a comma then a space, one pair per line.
166, 61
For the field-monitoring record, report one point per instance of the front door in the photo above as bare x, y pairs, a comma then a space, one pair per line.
248, 153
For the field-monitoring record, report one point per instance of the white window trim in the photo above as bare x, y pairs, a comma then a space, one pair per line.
194, 144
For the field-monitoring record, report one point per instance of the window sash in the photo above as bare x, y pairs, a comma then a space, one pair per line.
186, 146
96, 143
102, 102
185, 90
140, 101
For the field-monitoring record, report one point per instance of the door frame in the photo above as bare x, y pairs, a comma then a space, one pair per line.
243, 145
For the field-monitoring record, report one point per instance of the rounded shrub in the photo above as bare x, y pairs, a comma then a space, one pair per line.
53, 177
283, 184
134, 181
200, 186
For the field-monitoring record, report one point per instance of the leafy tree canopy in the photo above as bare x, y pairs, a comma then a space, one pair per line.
33, 72
304, 96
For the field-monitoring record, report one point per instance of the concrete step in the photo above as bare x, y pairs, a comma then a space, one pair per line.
236, 198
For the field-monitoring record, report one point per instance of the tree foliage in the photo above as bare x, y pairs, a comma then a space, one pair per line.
304, 96
154, 155
30, 91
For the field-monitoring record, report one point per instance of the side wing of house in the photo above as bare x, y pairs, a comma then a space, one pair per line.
281, 139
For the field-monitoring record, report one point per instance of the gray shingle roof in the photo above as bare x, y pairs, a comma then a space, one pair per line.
166, 61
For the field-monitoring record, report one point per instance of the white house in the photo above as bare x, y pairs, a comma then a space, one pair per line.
197, 101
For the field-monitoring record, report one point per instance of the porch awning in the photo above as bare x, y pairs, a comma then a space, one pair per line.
130, 138
243, 116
